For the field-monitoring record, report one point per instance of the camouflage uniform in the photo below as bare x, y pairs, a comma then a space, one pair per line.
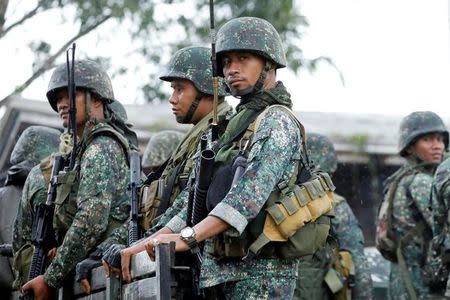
92, 199
345, 229
440, 196
35, 143
257, 278
193, 64
160, 147
411, 205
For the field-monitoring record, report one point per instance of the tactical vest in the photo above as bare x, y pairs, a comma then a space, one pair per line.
68, 184
294, 221
157, 195
386, 242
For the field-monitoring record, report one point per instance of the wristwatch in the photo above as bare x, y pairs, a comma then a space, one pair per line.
187, 235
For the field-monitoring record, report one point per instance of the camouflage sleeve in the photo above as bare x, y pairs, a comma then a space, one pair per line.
440, 195
350, 237
34, 193
420, 192
175, 209
272, 158
178, 222
100, 180
118, 236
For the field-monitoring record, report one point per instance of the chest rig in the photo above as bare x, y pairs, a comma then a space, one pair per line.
68, 185
295, 220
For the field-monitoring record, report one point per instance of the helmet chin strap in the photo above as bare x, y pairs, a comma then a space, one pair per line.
187, 118
253, 89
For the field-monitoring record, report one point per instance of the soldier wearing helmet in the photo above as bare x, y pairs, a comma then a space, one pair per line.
423, 140
347, 232
190, 75
91, 200
159, 149
33, 145
249, 51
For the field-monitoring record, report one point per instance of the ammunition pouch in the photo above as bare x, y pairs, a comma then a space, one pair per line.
301, 218
22, 264
150, 200
157, 195
65, 202
295, 226
340, 278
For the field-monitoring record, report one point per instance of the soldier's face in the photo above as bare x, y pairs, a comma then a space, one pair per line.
242, 69
429, 147
183, 94
62, 104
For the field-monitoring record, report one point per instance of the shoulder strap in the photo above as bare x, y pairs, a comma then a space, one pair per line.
107, 131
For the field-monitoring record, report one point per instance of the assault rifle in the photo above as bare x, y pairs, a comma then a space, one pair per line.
135, 183
43, 235
197, 201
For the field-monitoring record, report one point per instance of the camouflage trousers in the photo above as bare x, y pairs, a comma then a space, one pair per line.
397, 289
258, 288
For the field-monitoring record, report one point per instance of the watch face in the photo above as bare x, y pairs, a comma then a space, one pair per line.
187, 232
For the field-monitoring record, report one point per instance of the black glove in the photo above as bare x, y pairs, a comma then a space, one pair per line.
112, 255
84, 268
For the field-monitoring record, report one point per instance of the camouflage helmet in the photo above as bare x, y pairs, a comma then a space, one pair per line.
193, 64
417, 124
250, 34
322, 153
35, 144
88, 75
160, 148
116, 108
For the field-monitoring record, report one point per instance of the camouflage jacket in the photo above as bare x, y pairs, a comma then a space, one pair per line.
277, 133
441, 197
411, 205
348, 232
97, 203
184, 155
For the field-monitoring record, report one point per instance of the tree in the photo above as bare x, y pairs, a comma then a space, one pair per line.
153, 45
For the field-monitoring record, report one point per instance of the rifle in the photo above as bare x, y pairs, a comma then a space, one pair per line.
135, 183
72, 104
197, 200
43, 235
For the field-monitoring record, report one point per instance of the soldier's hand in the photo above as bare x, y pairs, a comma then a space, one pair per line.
51, 254
111, 260
180, 245
40, 289
84, 268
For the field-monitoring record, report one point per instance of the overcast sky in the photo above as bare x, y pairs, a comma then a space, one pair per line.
394, 55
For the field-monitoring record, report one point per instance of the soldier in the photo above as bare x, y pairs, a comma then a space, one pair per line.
92, 198
239, 260
160, 148
34, 144
423, 139
437, 267
190, 75
345, 229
